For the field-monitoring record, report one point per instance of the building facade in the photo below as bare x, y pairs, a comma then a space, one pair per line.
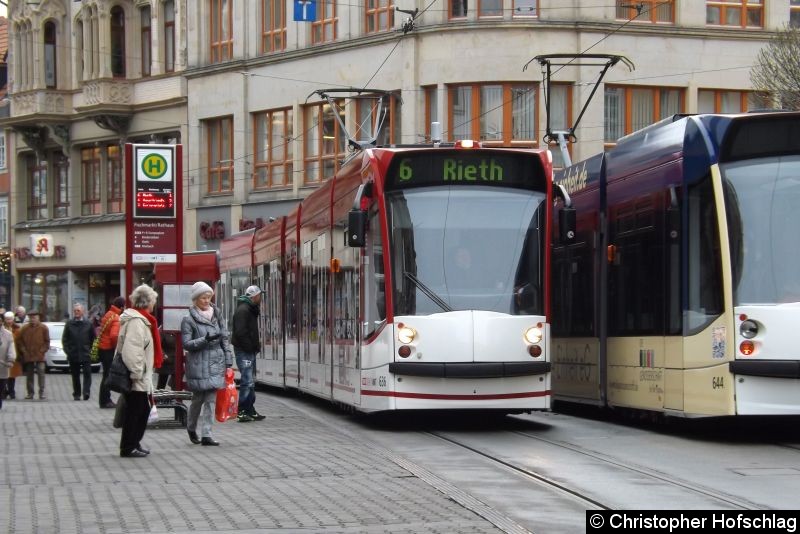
6, 278
85, 78
234, 82
259, 142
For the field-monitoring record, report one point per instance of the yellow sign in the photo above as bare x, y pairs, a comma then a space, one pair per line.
154, 166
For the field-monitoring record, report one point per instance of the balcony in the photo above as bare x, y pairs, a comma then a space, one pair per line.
105, 95
34, 104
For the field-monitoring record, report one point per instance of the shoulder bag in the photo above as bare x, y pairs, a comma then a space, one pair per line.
94, 353
119, 377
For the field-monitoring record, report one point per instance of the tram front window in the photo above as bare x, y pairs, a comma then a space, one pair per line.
763, 218
466, 249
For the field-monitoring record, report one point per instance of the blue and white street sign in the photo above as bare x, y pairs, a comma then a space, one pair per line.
305, 10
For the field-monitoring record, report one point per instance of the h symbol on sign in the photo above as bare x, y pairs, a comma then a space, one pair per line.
154, 166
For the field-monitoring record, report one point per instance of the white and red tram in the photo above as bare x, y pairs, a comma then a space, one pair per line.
415, 278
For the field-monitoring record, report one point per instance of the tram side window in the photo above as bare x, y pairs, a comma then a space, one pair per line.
636, 286
573, 290
704, 275
375, 289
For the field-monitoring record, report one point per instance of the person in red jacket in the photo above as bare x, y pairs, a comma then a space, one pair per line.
109, 332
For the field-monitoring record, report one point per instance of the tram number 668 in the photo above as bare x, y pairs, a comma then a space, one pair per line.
717, 382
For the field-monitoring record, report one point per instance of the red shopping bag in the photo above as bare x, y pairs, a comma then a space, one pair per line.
227, 399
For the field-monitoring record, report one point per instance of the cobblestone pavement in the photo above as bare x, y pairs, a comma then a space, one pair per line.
62, 473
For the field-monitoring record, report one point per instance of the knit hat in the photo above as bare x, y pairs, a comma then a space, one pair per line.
252, 291
200, 288
8, 315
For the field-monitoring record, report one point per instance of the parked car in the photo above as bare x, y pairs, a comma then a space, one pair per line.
56, 358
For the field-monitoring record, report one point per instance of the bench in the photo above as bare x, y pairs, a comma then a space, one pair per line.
168, 399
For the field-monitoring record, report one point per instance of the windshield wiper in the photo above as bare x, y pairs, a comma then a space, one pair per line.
428, 292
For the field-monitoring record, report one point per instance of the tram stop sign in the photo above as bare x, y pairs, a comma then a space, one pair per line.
154, 181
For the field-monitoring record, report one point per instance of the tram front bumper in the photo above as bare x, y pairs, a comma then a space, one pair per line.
469, 370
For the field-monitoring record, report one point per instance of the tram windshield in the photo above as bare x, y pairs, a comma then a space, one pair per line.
762, 197
457, 248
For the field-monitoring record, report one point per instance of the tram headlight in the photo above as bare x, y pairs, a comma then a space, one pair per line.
533, 335
406, 334
748, 329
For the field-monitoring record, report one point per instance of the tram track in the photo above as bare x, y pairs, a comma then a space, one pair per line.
662, 478
539, 478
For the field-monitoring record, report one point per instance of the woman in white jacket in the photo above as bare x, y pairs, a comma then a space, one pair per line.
7, 358
140, 346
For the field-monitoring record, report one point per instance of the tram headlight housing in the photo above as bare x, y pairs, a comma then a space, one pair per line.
533, 335
748, 329
406, 334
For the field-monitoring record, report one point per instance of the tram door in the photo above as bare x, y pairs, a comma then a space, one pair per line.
641, 296
345, 296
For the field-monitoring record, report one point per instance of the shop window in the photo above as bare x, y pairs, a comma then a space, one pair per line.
273, 148
46, 292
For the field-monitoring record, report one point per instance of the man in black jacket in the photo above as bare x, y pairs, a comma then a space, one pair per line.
246, 344
77, 342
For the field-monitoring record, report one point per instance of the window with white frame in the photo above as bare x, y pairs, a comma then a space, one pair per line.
2, 149
3, 222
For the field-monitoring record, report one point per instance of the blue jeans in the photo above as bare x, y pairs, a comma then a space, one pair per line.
246, 362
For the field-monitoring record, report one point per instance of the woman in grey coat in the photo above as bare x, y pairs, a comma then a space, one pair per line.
208, 354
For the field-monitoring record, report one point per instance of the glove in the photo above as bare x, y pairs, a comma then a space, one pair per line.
212, 337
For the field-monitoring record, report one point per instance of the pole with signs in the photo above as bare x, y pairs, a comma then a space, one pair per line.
154, 215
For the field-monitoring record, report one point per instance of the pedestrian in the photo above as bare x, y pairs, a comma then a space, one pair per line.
16, 369
140, 346
20, 316
34, 342
208, 354
109, 332
167, 370
246, 344
7, 358
77, 341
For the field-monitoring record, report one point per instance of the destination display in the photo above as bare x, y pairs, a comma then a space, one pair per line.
466, 168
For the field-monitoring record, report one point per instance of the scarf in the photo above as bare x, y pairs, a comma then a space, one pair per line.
208, 314
158, 354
